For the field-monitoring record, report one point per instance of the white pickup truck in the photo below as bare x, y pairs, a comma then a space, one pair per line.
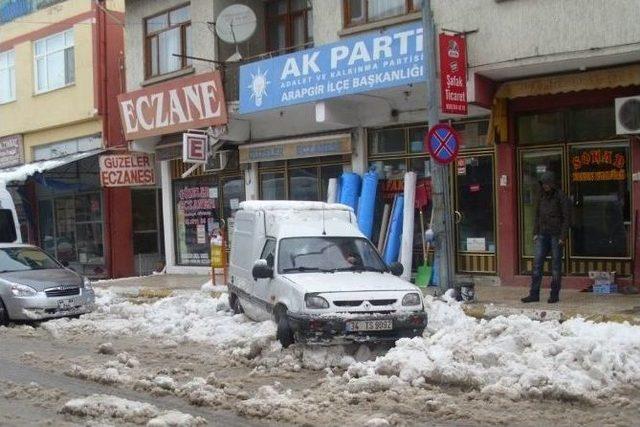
307, 266
9, 226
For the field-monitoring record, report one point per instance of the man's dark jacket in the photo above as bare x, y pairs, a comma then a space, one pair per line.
553, 214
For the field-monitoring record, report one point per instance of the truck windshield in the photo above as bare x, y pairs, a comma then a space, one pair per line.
328, 254
24, 259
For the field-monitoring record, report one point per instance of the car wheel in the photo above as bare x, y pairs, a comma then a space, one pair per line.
234, 303
284, 332
4, 316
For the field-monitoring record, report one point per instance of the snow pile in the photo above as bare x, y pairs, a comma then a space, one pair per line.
274, 402
104, 406
515, 357
120, 371
180, 318
209, 287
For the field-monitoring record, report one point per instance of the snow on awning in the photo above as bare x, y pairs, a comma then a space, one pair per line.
22, 172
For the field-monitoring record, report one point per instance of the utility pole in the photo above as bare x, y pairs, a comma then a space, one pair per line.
440, 188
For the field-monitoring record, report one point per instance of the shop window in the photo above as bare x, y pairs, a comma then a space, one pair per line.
196, 217
416, 139
145, 221
326, 173
421, 166
591, 124
166, 35
472, 134
272, 186
600, 190
541, 128
288, 24
387, 141
7, 226
7, 77
358, 12
474, 202
393, 169
54, 61
303, 184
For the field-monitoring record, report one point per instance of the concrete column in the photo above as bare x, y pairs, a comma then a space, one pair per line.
359, 155
167, 214
251, 182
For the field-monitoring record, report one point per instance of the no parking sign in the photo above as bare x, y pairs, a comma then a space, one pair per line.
443, 143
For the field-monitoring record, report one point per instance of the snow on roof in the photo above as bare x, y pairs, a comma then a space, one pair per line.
22, 172
291, 205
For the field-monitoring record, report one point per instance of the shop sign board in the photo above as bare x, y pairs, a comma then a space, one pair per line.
127, 170
175, 106
195, 148
11, 151
333, 145
453, 74
443, 143
376, 60
598, 165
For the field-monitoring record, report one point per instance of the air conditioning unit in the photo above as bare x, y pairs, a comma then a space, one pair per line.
628, 115
220, 160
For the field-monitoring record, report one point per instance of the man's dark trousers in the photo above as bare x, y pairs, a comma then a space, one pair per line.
544, 245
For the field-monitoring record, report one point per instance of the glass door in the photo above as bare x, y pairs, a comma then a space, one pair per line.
475, 213
533, 164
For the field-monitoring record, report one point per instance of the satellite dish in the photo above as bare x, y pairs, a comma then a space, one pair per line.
236, 23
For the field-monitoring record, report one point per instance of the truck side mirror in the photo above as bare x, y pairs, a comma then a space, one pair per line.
396, 268
261, 270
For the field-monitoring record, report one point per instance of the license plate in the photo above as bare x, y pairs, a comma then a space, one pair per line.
67, 304
369, 325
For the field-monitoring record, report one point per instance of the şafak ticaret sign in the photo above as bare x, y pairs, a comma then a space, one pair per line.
384, 59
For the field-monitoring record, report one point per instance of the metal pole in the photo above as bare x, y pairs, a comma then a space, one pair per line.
442, 212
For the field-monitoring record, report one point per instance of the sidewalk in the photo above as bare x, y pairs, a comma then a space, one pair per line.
494, 301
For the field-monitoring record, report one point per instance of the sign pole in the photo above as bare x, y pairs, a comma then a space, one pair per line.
442, 218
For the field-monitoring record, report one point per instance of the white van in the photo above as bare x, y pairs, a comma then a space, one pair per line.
307, 266
9, 226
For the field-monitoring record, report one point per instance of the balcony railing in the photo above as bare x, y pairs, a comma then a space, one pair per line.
14, 9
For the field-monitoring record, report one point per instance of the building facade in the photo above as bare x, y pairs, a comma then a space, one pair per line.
60, 71
541, 88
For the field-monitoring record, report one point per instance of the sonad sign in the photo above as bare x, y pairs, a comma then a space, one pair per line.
384, 59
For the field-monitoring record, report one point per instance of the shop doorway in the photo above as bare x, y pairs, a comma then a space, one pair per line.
475, 213
596, 179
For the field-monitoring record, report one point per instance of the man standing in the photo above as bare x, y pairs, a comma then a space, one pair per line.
550, 228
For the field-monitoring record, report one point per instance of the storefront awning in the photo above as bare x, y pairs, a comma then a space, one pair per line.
22, 172
588, 80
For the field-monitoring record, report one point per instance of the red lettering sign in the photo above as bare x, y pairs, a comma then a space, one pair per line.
125, 170
188, 103
453, 74
194, 148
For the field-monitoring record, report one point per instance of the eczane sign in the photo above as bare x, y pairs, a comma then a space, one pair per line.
187, 103
125, 170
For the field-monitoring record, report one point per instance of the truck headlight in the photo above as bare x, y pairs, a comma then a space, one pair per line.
22, 290
314, 301
87, 283
411, 299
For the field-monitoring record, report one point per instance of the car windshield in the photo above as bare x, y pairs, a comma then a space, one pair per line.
328, 254
25, 259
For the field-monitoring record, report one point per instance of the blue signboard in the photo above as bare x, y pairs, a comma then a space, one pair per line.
379, 60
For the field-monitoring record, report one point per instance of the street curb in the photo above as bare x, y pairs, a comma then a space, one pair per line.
491, 311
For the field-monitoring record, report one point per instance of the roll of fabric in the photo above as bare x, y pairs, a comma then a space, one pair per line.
382, 237
406, 251
350, 189
332, 190
392, 247
367, 203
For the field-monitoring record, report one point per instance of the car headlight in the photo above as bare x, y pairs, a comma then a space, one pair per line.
411, 299
87, 283
22, 290
314, 301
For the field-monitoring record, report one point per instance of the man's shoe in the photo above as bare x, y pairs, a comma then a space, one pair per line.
530, 298
553, 299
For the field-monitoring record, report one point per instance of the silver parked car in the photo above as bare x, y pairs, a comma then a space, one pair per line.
34, 286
